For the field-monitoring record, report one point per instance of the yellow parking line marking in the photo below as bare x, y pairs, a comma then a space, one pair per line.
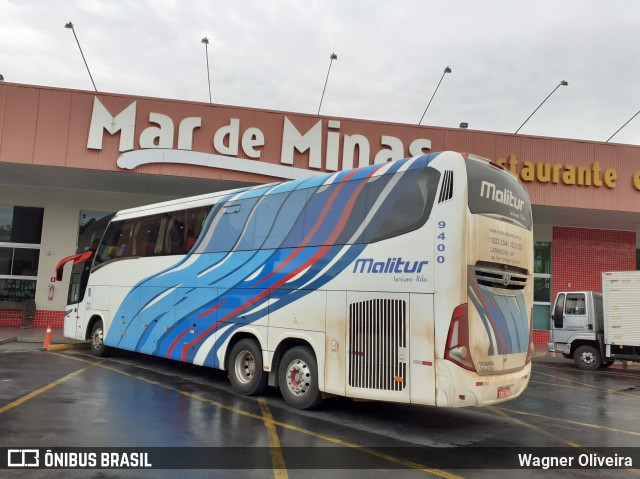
334, 440
37, 392
502, 413
635, 396
612, 371
560, 385
569, 421
279, 467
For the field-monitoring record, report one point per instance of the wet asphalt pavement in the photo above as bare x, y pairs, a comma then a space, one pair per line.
70, 399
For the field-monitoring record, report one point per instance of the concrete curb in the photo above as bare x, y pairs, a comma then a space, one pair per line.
8, 340
65, 346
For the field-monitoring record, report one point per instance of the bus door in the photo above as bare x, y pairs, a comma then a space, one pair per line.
378, 340
74, 320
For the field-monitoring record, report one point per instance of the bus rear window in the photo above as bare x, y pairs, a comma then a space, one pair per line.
496, 192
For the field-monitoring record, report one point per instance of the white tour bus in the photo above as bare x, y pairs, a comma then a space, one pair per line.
409, 281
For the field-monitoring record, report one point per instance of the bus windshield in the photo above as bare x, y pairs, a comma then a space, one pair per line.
88, 240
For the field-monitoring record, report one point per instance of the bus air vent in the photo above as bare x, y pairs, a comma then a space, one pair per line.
377, 344
499, 276
446, 190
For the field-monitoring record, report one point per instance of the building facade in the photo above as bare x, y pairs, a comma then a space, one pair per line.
68, 157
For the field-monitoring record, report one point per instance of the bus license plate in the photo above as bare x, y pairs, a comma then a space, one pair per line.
504, 392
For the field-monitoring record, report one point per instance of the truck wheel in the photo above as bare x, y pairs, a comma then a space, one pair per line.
298, 378
245, 368
97, 346
587, 358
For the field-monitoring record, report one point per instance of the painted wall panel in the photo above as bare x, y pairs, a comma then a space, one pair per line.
51, 126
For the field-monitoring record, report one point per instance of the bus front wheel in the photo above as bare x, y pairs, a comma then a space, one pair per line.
245, 368
298, 378
96, 339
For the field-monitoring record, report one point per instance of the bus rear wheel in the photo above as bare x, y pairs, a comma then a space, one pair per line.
245, 368
298, 378
96, 340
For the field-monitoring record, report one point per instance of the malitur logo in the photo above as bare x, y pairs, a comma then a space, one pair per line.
390, 265
505, 196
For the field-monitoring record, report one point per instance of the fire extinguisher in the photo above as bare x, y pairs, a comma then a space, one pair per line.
52, 290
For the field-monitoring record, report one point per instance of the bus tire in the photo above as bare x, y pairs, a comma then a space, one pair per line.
245, 368
96, 340
587, 358
298, 378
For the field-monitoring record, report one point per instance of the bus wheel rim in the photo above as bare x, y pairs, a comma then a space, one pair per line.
245, 367
298, 377
96, 338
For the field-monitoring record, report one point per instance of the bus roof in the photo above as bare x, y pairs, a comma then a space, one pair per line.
212, 198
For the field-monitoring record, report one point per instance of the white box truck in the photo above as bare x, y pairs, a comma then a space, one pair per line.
595, 329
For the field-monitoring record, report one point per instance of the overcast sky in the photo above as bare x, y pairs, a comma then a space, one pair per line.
506, 57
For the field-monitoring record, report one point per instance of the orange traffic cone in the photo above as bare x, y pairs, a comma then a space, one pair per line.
47, 338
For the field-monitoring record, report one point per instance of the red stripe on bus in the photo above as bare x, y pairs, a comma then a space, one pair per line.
319, 254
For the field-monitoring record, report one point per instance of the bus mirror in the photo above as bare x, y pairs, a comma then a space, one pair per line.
76, 258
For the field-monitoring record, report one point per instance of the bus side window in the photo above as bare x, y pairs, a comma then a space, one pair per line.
407, 206
147, 236
174, 241
230, 223
110, 243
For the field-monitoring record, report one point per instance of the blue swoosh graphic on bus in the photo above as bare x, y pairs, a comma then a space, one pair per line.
233, 277
504, 317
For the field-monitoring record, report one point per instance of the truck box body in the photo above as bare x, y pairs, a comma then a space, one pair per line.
621, 301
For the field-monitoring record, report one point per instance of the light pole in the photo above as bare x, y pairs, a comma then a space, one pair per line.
205, 40
70, 26
331, 58
618, 130
562, 83
446, 70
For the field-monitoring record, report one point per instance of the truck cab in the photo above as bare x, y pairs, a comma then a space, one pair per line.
577, 328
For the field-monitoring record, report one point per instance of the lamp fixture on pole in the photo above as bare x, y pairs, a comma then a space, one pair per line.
618, 130
70, 26
562, 83
446, 70
205, 40
331, 58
